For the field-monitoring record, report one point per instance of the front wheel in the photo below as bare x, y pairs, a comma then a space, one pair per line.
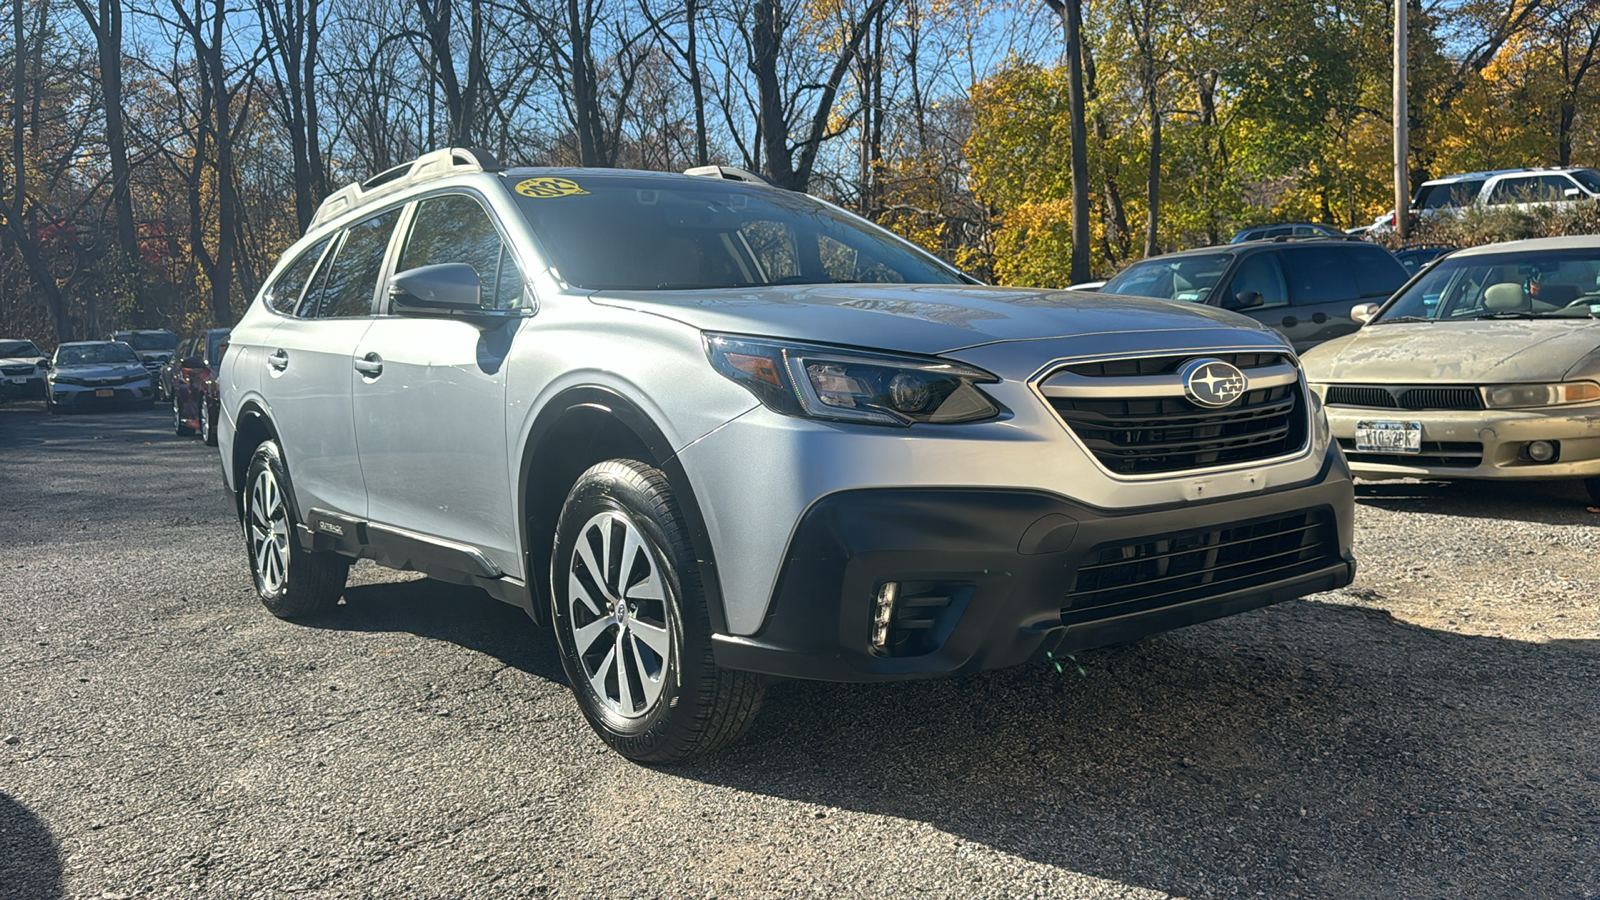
631, 621
1593, 484
290, 580
208, 424
179, 426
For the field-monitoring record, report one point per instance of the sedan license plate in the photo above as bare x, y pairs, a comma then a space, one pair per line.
1389, 437
105, 392
22, 379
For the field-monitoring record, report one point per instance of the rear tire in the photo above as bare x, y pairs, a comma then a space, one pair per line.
208, 425
632, 624
290, 580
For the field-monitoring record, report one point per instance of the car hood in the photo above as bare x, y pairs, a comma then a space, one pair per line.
19, 360
1490, 351
927, 319
100, 370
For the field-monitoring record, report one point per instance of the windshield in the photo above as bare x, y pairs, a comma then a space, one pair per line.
1449, 196
1517, 285
620, 232
149, 340
9, 349
1186, 278
94, 354
1589, 178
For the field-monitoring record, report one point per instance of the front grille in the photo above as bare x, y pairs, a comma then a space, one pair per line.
17, 370
1152, 572
1140, 436
1166, 365
1404, 397
1435, 454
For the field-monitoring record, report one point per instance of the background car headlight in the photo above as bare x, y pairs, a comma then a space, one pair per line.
1507, 396
66, 379
822, 382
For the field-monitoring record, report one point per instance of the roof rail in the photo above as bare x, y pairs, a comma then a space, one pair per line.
427, 167
727, 173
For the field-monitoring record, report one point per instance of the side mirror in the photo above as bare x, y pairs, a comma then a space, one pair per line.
444, 289
44, 364
1572, 193
1243, 300
1362, 313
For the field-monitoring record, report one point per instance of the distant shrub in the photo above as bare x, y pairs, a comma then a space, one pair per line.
1494, 224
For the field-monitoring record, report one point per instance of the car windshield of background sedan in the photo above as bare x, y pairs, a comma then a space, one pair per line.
13, 349
148, 341
1186, 278
94, 354
1554, 284
646, 234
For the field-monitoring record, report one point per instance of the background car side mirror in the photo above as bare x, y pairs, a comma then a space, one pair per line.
1362, 313
433, 290
1572, 193
1242, 300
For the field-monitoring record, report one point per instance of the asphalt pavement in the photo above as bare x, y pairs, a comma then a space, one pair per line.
1432, 731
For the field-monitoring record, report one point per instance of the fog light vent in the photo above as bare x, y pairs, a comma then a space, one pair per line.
882, 612
912, 618
1542, 451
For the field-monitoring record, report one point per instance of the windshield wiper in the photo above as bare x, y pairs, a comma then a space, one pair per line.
1507, 314
1388, 319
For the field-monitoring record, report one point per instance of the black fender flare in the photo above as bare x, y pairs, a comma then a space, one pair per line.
625, 412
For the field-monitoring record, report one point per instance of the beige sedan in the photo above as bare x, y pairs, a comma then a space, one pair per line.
1487, 365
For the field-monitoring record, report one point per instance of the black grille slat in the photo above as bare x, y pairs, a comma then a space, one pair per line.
1152, 572
1412, 397
1166, 365
1149, 435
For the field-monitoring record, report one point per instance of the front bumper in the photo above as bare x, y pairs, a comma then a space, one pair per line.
1478, 443
77, 396
27, 388
993, 578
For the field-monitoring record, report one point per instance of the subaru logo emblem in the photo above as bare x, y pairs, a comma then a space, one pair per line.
1212, 382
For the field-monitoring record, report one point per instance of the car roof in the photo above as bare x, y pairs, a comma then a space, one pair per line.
1253, 246
86, 343
1535, 245
1530, 170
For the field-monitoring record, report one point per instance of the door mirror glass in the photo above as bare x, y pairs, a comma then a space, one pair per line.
1362, 313
442, 288
1572, 193
1243, 300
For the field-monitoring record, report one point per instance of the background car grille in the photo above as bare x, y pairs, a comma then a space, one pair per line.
1152, 572
16, 370
1403, 397
1138, 433
1435, 454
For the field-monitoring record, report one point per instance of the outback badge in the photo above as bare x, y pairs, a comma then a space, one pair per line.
1212, 383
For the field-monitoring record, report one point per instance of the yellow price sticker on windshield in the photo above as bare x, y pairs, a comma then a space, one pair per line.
548, 186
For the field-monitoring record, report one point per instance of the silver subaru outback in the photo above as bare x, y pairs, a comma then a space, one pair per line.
712, 432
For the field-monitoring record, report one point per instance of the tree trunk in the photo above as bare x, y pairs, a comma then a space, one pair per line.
1071, 12
1153, 179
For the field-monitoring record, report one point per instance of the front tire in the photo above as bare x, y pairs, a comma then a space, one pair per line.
290, 580
179, 426
208, 424
632, 624
1593, 485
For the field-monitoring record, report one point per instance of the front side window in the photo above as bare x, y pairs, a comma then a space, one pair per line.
353, 279
620, 232
1186, 278
1262, 274
1450, 196
456, 229
1588, 178
1537, 189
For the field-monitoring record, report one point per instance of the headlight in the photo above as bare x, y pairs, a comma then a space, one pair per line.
65, 379
1508, 396
822, 382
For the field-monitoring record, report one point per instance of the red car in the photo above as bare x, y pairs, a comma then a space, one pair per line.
194, 384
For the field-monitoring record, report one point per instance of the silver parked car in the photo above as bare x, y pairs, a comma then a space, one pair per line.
22, 369
712, 431
87, 374
1485, 366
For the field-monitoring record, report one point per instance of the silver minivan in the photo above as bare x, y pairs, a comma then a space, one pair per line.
712, 432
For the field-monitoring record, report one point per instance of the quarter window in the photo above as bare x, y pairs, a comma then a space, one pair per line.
284, 293
456, 229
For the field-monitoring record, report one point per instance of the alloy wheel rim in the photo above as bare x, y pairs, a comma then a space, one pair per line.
617, 614
268, 524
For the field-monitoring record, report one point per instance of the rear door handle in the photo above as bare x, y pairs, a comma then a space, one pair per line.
370, 365
278, 360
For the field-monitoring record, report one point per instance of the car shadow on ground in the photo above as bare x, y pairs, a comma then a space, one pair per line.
464, 616
1315, 749
1547, 502
30, 864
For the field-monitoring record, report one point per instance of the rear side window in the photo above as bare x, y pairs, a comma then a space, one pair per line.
456, 229
353, 279
1378, 273
1449, 196
1317, 275
284, 293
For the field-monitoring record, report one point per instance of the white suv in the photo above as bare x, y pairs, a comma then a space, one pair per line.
712, 431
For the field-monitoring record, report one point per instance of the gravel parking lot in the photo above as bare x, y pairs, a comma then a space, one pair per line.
1432, 731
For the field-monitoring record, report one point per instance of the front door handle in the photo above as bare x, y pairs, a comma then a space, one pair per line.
278, 360
370, 365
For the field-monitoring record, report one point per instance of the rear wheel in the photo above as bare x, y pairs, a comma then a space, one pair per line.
208, 424
179, 426
290, 580
631, 621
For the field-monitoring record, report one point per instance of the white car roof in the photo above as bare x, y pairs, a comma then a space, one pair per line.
1535, 245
